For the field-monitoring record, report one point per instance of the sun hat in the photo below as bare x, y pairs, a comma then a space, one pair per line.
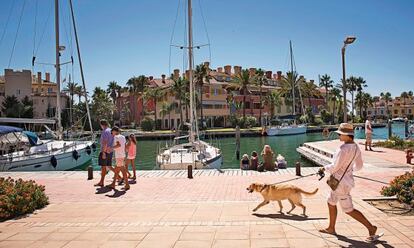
245, 156
345, 129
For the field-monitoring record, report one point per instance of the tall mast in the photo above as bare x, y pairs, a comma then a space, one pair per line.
293, 79
58, 108
190, 68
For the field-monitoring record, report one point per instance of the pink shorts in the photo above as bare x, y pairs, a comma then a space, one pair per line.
342, 195
131, 158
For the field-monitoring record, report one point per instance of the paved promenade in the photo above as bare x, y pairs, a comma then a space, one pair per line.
165, 209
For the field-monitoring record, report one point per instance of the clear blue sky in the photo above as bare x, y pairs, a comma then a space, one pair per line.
120, 39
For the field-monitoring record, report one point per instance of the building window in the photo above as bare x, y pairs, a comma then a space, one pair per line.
409, 111
396, 111
49, 90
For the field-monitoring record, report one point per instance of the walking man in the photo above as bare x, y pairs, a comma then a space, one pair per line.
346, 160
119, 148
105, 155
368, 134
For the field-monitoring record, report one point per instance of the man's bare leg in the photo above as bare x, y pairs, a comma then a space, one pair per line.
116, 171
103, 173
333, 214
357, 215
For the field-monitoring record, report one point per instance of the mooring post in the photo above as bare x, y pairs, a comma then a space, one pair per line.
389, 128
90, 172
190, 171
238, 142
406, 127
298, 169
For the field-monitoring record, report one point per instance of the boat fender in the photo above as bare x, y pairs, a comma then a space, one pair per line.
88, 150
75, 154
53, 161
94, 147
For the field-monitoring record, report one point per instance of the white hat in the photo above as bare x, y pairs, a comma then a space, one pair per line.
345, 129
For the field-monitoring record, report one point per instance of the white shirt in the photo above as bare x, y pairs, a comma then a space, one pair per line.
119, 151
341, 160
368, 127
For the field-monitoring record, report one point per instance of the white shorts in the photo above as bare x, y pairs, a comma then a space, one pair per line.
343, 195
120, 162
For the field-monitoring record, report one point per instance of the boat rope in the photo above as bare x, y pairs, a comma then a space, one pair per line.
205, 29
36, 48
81, 69
34, 33
17, 32
172, 36
7, 22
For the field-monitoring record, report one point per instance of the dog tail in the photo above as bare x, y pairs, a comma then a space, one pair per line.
308, 193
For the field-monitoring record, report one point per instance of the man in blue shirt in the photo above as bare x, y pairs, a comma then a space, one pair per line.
105, 156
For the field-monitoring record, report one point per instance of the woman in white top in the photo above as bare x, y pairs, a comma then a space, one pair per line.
346, 160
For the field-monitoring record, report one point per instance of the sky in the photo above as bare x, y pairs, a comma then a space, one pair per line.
125, 38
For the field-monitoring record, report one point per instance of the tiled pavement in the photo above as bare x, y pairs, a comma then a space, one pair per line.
165, 209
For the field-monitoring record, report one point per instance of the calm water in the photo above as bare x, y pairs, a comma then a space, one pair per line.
284, 145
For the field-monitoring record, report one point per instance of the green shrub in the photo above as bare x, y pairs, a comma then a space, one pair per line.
251, 121
326, 116
147, 124
18, 197
396, 143
403, 187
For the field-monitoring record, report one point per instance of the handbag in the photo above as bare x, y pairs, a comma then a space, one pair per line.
333, 182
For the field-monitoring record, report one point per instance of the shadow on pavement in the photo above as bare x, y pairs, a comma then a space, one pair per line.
287, 217
116, 194
358, 243
102, 190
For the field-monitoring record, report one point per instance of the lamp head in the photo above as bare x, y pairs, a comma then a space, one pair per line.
349, 39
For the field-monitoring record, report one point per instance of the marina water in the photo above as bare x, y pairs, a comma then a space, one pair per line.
284, 145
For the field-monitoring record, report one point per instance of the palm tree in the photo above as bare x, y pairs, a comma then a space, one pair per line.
154, 94
273, 99
335, 97
291, 81
367, 102
351, 87
387, 98
404, 96
166, 109
178, 88
309, 90
201, 74
260, 79
241, 83
78, 90
137, 86
71, 88
326, 83
114, 92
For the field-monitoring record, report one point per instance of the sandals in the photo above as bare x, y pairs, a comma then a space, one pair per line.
374, 237
326, 232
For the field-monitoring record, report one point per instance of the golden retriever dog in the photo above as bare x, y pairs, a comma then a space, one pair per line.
280, 192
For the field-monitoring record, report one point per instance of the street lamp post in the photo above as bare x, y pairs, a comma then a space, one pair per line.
348, 40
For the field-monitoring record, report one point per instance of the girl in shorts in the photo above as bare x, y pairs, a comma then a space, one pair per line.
131, 149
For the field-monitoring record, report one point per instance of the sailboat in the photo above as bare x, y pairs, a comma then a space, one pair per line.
23, 151
197, 153
286, 128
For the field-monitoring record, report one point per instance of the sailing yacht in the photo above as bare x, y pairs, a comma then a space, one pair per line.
286, 128
195, 152
23, 151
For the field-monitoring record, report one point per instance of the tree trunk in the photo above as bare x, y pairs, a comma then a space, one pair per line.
260, 106
333, 113
353, 108
155, 113
244, 104
326, 98
181, 114
201, 106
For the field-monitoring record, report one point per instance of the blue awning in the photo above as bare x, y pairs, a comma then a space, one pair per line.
9, 129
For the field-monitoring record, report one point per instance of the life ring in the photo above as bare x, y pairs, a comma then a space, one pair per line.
53, 161
88, 150
94, 147
75, 154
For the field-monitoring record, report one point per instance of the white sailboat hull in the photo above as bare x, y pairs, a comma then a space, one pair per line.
179, 158
285, 130
41, 160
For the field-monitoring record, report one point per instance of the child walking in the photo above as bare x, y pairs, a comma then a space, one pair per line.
119, 148
131, 148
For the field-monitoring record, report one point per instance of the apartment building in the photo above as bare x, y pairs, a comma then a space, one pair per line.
397, 107
40, 90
